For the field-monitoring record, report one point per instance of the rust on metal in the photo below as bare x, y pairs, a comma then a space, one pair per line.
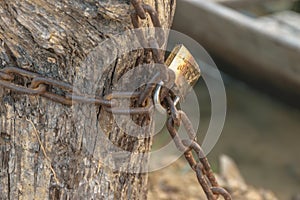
18, 71
200, 165
185, 67
40, 86
131, 111
58, 98
204, 184
21, 89
5, 76
137, 4
149, 88
222, 192
42, 80
140, 9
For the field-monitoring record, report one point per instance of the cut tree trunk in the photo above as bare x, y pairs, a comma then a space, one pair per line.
52, 151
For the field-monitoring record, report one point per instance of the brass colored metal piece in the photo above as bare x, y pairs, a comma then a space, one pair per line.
186, 69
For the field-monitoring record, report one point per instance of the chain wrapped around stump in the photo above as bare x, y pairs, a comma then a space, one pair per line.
68, 95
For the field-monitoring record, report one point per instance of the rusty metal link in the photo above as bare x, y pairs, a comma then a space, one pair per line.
169, 79
222, 192
5, 76
12, 71
140, 10
149, 88
133, 111
203, 182
41, 86
21, 89
192, 145
176, 117
158, 54
146, 9
137, 4
205, 175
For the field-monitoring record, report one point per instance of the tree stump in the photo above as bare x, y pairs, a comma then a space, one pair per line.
49, 150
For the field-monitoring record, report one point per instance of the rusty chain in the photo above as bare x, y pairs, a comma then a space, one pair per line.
41, 86
202, 167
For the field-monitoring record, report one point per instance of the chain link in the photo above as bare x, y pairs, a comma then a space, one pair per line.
140, 11
205, 175
44, 87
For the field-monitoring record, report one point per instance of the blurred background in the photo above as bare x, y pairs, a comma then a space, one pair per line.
256, 46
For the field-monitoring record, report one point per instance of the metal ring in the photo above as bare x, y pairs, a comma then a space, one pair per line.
156, 99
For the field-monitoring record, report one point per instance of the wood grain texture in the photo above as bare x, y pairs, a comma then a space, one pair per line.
258, 51
50, 151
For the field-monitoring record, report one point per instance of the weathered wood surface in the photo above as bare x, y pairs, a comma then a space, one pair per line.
266, 56
51, 151
285, 23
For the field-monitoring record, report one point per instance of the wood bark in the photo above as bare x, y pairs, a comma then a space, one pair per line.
52, 151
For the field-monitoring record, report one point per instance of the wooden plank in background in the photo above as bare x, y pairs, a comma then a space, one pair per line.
261, 54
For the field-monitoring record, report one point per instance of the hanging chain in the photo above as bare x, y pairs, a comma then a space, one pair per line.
205, 175
68, 95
